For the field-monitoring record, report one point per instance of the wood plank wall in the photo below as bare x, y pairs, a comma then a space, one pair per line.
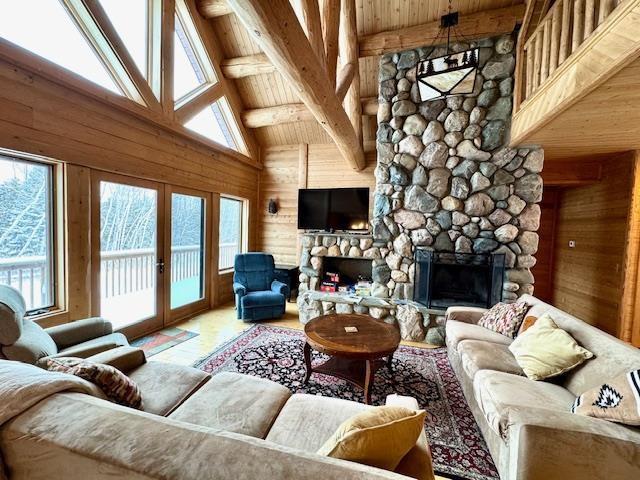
588, 279
543, 269
44, 118
284, 172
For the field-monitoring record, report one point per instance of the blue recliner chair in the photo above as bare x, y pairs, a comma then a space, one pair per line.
258, 295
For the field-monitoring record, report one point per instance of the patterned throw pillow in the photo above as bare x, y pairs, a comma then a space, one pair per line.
116, 385
616, 401
504, 318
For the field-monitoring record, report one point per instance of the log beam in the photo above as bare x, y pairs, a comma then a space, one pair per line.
472, 26
293, 112
213, 8
313, 27
344, 80
247, 66
330, 29
348, 40
275, 27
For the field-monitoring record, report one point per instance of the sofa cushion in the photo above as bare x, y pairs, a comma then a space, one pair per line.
457, 331
236, 403
165, 386
12, 310
262, 299
497, 393
477, 355
379, 436
33, 344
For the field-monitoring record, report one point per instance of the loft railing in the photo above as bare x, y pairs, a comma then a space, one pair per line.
565, 27
121, 271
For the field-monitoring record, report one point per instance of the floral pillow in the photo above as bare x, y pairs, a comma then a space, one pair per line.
116, 385
505, 318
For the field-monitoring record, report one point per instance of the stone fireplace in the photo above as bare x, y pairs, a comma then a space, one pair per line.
446, 181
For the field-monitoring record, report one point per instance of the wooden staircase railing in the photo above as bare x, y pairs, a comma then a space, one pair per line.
565, 27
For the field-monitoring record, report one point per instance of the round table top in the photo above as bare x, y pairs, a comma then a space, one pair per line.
373, 339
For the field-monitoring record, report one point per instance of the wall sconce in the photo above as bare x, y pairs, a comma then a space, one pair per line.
273, 207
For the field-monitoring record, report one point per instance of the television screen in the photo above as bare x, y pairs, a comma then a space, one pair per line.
333, 209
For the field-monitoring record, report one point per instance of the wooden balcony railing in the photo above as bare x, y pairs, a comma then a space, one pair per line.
565, 27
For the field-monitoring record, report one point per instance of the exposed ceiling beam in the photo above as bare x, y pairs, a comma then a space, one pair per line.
275, 27
247, 66
330, 29
472, 26
198, 102
313, 27
348, 40
213, 8
344, 80
293, 112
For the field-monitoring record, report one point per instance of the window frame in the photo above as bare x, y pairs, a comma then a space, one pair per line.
57, 260
244, 227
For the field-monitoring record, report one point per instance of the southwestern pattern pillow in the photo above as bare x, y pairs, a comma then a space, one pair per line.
616, 401
504, 318
116, 385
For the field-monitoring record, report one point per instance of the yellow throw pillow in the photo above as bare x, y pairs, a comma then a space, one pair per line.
379, 436
544, 350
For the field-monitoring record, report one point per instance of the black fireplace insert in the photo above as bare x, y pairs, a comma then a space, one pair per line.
466, 279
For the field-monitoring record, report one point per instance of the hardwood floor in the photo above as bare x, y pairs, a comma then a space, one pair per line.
218, 326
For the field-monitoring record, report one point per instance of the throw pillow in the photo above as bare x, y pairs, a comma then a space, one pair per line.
527, 323
504, 318
545, 350
379, 436
616, 401
116, 385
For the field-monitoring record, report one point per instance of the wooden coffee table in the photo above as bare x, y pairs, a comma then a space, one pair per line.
355, 356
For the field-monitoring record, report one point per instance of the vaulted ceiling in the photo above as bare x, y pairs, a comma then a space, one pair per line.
373, 16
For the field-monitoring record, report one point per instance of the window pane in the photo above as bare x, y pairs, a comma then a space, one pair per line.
129, 18
187, 252
230, 231
211, 123
46, 28
128, 254
187, 71
26, 236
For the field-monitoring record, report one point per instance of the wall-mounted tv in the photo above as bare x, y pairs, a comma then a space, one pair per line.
333, 209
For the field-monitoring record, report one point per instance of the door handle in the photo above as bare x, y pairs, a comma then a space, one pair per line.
160, 266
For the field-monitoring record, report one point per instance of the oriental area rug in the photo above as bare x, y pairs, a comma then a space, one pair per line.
457, 446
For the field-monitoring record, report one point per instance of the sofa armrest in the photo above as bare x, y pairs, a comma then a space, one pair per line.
239, 289
72, 333
124, 359
279, 287
86, 351
465, 314
560, 445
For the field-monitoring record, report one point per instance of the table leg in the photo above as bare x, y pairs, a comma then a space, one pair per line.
307, 362
368, 380
390, 363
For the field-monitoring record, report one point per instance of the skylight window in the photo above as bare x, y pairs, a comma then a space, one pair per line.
187, 70
130, 20
212, 124
46, 28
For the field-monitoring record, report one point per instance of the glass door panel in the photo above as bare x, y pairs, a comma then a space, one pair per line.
129, 262
187, 249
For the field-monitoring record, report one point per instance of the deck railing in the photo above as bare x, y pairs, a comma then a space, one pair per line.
565, 27
121, 271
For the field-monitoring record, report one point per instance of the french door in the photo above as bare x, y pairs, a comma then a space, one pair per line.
150, 255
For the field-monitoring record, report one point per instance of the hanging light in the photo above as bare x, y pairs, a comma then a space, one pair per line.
450, 74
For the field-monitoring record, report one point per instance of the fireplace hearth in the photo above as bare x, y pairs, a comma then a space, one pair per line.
447, 279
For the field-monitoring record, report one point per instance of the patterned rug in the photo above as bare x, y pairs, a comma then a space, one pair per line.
162, 339
457, 446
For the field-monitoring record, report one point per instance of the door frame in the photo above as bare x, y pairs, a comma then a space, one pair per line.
156, 322
190, 309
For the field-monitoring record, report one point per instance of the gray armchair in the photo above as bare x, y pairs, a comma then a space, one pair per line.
24, 340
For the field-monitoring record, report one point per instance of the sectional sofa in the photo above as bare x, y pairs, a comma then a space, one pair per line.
528, 425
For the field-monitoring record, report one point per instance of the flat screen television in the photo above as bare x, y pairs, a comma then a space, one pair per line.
333, 209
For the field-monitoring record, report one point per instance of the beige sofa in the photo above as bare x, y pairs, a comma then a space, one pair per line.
528, 426
194, 426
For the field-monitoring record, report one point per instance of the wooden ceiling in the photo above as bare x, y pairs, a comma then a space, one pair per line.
373, 16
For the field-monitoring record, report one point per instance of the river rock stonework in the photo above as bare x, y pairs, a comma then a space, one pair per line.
446, 178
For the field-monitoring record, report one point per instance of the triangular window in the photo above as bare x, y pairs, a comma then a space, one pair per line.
213, 124
189, 69
46, 28
130, 20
